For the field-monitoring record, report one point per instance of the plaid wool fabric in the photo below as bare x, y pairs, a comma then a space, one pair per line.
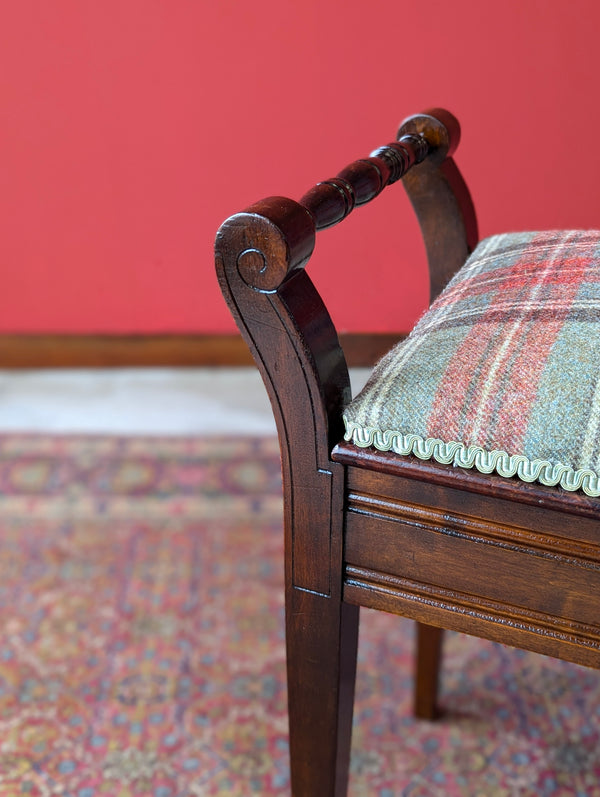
502, 373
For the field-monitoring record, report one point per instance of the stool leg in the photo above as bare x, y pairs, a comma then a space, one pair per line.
428, 662
322, 639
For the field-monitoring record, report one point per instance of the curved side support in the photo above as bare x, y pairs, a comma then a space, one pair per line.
440, 198
259, 255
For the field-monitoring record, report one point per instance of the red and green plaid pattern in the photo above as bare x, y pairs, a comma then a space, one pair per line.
502, 373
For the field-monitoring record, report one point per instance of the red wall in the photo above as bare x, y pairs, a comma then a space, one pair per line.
129, 129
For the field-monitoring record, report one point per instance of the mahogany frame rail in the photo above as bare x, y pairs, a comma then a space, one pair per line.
447, 547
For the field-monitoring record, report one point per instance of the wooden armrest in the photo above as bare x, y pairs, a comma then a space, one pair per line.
436, 190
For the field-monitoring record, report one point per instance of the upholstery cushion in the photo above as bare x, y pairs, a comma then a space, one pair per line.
502, 373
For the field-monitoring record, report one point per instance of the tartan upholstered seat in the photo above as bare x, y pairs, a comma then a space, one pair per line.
502, 373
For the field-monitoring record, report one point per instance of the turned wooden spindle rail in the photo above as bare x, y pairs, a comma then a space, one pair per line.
330, 201
276, 236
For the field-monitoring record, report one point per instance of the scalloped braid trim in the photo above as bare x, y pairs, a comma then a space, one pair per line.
454, 453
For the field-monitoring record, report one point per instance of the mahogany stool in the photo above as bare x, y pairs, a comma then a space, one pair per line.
460, 488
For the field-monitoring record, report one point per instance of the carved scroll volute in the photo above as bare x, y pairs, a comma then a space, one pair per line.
440, 197
267, 242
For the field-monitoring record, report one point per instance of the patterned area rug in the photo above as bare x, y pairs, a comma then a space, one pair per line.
142, 649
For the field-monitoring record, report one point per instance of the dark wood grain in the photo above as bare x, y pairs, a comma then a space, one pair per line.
330, 201
513, 490
427, 671
521, 574
441, 199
